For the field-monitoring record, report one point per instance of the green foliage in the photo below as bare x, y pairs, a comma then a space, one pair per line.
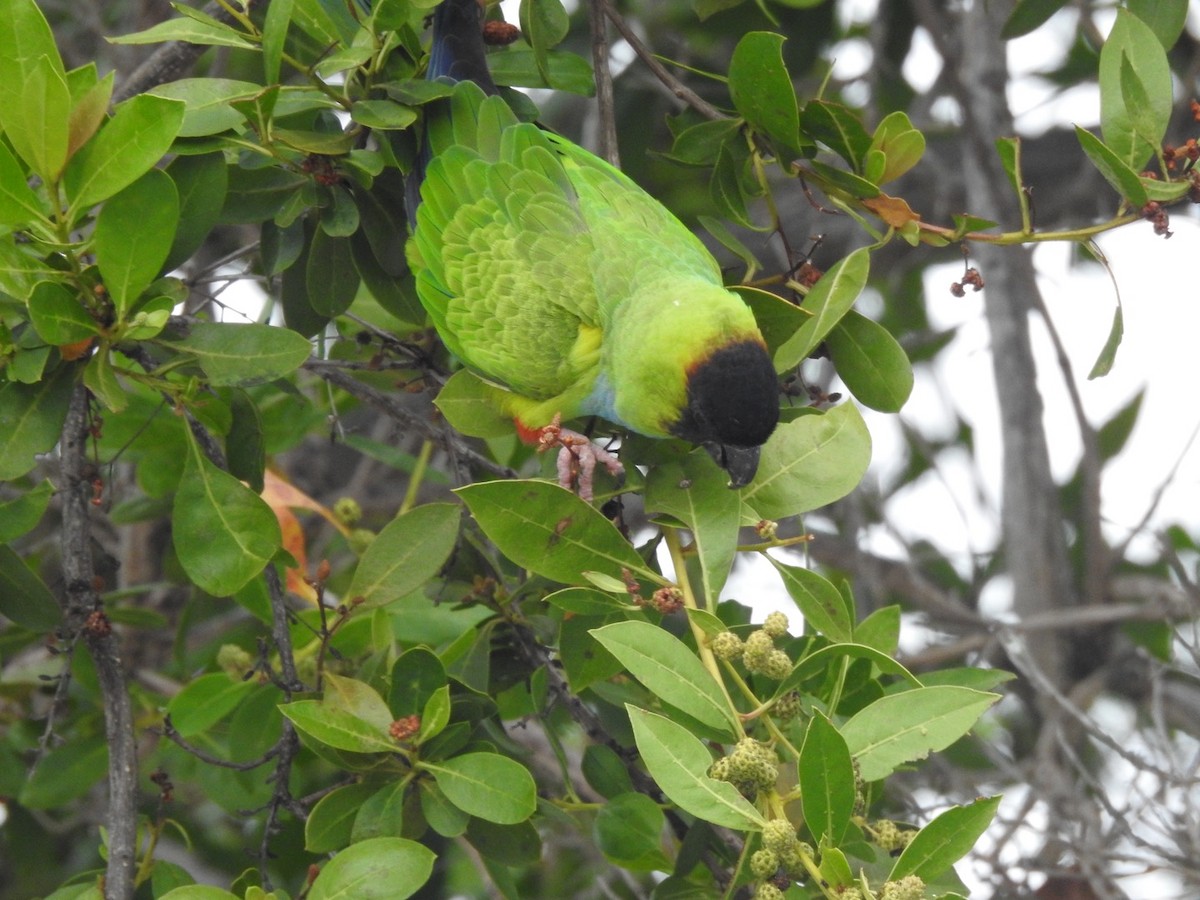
386, 683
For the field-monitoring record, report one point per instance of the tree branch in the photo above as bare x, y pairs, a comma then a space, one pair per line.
85, 615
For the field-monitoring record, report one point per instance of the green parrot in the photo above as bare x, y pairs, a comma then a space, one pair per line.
568, 288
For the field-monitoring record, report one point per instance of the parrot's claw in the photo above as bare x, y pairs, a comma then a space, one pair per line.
577, 458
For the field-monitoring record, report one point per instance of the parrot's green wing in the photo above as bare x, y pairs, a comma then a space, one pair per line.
502, 253
525, 244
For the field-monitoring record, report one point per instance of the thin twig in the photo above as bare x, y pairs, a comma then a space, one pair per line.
609, 150
392, 406
85, 615
673, 84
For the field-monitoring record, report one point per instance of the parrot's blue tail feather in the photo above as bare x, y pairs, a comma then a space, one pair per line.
457, 54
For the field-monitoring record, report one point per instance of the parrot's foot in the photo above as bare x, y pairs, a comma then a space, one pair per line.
577, 457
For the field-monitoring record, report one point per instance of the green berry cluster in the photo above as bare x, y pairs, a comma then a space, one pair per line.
890, 836
761, 658
783, 848
787, 707
757, 652
234, 661
910, 887
767, 891
751, 767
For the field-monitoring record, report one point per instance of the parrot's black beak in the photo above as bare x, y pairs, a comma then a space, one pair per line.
740, 462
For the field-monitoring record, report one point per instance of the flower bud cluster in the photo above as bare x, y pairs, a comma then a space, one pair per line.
761, 658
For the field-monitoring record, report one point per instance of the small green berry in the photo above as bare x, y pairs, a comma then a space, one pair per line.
347, 511
234, 661
787, 707
910, 887
767, 891
776, 624
779, 836
777, 666
764, 863
726, 645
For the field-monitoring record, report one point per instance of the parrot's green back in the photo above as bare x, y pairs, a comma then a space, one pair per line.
554, 276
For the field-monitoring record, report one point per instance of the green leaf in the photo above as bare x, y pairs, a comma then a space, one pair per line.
549, 530
1139, 105
197, 892
19, 515
517, 66
126, 148
89, 109
899, 728
274, 36
512, 845
134, 233
544, 23
679, 763
1165, 18
881, 629
188, 30
381, 868
826, 781
208, 103
809, 462
669, 670
695, 491
1028, 15
31, 419
332, 276
416, 675
819, 602
357, 698
200, 182
205, 701
605, 771
945, 840
406, 554
1115, 171
828, 301
1112, 435
838, 128
871, 362
628, 831
57, 315
224, 533
1108, 353
24, 597
34, 100
762, 90
487, 785
336, 728
240, 353
900, 144
819, 662
45, 116
19, 205
65, 773
383, 115
1132, 39
329, 823
468, 404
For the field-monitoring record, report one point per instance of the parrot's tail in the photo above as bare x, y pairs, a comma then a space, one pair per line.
458, 51
457, 54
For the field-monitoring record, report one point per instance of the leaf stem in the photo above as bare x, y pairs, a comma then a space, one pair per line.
689, 601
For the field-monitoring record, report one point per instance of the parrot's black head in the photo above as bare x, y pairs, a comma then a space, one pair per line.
732, 407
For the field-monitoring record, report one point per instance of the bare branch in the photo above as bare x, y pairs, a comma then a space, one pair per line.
85, 615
